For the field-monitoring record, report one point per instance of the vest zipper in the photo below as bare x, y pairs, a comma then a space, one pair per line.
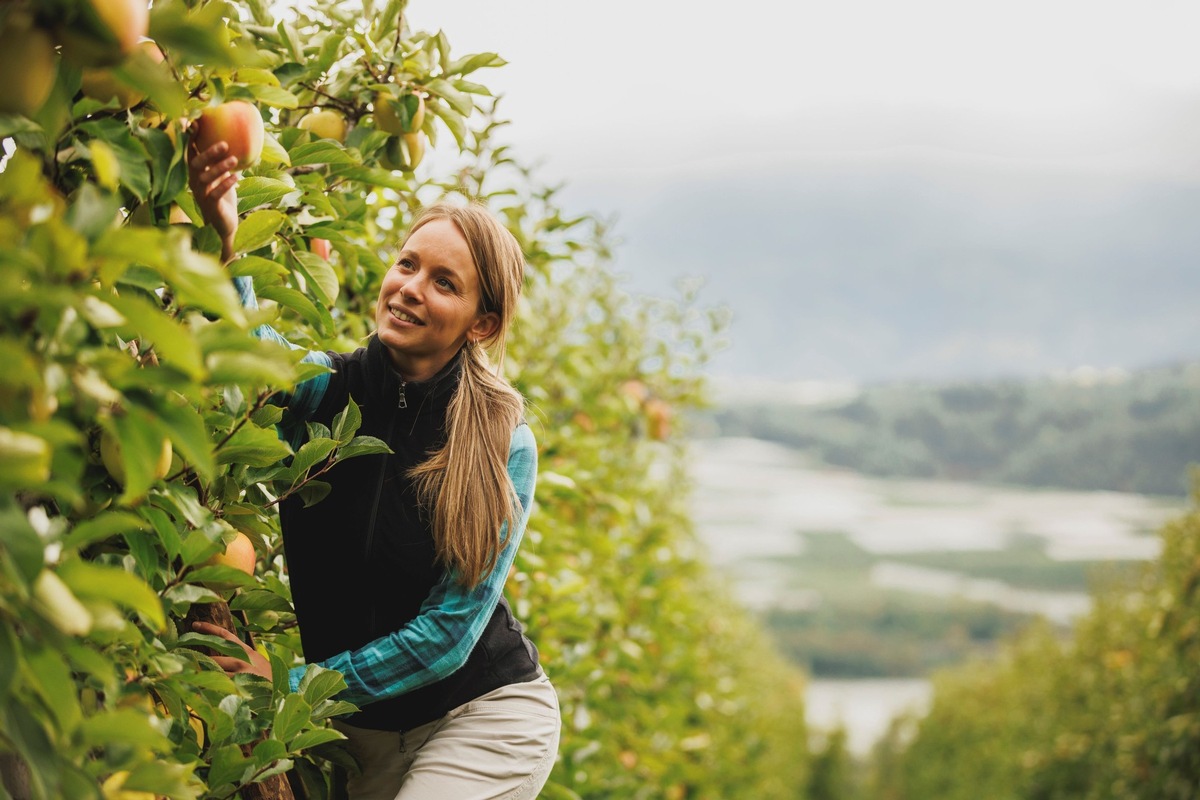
403, 402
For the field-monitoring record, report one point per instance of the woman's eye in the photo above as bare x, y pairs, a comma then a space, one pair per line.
404, 264
445, 284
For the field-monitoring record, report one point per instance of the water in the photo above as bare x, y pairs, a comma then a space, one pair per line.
753, 498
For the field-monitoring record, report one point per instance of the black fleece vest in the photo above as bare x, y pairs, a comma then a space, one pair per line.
361, 561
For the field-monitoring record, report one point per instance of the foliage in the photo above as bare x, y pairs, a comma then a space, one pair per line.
1113, 712
1137, 434
115, 322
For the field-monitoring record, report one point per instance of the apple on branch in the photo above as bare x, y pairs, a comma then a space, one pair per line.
238, 124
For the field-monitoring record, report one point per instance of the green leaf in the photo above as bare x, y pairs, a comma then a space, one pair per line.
257, 230
273, 96
95, 582
256, 447
18, 537
220, 575
319, 275
260, 600
346, 423
319, 684
459, 101
255, 190
103, 526
273, 152
291, 717
313, 492
468, 64
314, 738
164, 778
268, 751
186, 594
200, 281
297, 301
50, 675
454, 121
257, 267
123, 726
190, 436
175, 346
137, 442
10, 656
321, 151
221, 645
229, 766
24, 460
311, 453
248, 368
363, 446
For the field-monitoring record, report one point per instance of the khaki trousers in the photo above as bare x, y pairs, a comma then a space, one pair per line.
500, 746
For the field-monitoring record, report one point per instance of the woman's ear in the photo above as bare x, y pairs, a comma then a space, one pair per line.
485, 327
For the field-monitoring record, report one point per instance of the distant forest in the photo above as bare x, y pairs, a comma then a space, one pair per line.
1138, 434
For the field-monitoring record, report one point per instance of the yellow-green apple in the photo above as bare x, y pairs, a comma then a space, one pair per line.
401, 115
27, 66
101, 83
325, 124
105, 31
114, 462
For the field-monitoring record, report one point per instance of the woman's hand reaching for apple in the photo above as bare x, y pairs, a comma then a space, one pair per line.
258, 664
214, 186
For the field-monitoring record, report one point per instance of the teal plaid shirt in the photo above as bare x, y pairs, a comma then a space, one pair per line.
438, 641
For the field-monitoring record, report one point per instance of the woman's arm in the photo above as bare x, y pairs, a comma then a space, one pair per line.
214, 186
439, 640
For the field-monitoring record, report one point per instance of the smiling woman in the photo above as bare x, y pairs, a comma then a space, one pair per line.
397, 576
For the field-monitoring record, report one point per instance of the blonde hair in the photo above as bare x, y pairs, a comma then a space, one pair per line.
466, 483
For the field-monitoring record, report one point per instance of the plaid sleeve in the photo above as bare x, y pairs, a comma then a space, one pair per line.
302, 402
438, 641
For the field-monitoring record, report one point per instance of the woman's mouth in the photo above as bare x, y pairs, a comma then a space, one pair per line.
403, 316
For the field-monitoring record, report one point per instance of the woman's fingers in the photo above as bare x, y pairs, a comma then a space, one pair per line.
215, 630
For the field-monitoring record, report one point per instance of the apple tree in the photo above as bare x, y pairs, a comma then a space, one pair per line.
138, 444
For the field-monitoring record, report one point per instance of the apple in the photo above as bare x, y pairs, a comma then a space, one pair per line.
113, 788
102, 84
324, 124
177, 216
403, 152
399, 115
320, 246
238, 554
106, 31
658, 418
110, 455
27, 64
238, 124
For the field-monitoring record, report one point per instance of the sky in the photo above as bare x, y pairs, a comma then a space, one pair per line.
987, 126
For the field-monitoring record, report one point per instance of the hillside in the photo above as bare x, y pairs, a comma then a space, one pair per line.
1136, 432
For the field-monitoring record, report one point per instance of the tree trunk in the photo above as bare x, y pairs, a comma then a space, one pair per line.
276, 787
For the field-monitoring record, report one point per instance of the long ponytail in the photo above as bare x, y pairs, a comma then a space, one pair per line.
466, 483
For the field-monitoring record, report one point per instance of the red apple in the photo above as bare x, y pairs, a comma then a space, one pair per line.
238, 124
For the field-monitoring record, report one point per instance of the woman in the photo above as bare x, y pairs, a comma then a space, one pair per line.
398, 574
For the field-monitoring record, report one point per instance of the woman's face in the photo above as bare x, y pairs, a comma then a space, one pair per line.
429, 301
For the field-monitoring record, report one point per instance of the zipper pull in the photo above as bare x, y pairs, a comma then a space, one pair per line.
403, 403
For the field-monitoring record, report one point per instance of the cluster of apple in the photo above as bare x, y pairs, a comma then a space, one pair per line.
93, 35
401, 117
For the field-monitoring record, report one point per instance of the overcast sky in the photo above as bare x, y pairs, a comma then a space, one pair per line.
637, 106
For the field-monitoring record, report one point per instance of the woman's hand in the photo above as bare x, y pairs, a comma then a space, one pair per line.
214, 185
258, 663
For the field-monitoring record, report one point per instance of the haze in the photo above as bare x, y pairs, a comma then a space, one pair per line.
876, 190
